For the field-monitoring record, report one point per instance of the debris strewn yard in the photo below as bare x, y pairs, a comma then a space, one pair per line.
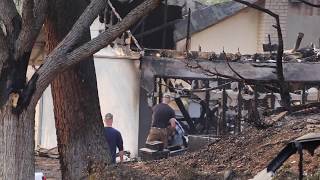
243, 155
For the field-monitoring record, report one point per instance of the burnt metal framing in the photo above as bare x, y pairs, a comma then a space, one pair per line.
207, 107
153, 67
188, 30
168, 22
209, 115
240, 104
178, 100
165, 19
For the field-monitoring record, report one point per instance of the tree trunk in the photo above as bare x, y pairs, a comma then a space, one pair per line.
81, 142
17, 144
83, 136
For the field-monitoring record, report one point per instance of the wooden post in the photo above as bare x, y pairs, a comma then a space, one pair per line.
207, 107
318, 96
164, 35
154, 98
224, 110
215, 116
183, 110
188, 31
238, 124
273, 100
255, 105
270, 44
142, 31
219, 81
106, 17
256, 98
160, 90
112, 17
304, 94
298, 41
185, 114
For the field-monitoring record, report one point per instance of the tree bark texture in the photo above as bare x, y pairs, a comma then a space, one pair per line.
81, 141
16, 133
17, 117
16, 129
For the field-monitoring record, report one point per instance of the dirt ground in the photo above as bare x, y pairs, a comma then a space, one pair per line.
49, 166
244, 155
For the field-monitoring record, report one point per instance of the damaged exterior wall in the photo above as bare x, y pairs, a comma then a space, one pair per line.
118, 87
174, 68
294, 18
299, 17
249, 29
239, 31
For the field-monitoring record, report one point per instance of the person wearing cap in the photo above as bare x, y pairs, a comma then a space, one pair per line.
113, 137
163, 117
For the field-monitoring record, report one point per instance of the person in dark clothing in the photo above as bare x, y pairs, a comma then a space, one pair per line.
163, 120
113, 137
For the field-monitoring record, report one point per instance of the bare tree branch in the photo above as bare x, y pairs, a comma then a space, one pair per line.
27, 12
234, 71
4, 56
257, 7
310, 4
3, 49
84, 21
284, 89
239, 78
244, 80
280, 39
31, 26
209, 72
33, 16
3, 38
60, 59
128, 31
11, 19
100, 42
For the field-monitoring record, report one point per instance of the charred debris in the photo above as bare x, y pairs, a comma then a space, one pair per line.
220, 93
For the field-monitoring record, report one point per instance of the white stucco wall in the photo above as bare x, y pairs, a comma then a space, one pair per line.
48, 137
45, 131
118, 88
239, 31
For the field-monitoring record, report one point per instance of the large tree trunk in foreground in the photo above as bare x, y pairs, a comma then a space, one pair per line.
17, 36
17, 129
17, 133
81, 141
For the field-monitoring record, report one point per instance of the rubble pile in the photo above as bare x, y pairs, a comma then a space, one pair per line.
306, 54
242, 156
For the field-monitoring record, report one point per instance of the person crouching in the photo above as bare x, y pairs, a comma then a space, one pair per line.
163, 117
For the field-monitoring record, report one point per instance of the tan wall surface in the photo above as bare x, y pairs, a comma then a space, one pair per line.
305, 19
279, 7
239, 31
